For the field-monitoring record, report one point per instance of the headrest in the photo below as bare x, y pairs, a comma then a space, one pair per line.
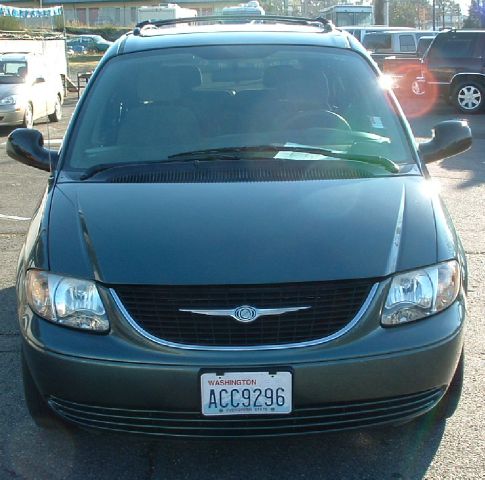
303, 86
158, 85
189, 77
279, 74
22, 72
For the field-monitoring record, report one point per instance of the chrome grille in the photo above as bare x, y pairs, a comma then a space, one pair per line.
157, 310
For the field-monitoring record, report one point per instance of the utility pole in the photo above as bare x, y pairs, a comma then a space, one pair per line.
434, 14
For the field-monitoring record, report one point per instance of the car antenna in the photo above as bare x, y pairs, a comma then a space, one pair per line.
48, 138
49, 141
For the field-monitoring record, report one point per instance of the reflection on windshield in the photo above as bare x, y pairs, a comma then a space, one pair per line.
200, 98
13, 72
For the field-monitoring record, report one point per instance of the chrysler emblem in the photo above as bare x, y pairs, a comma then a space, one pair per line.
244, 313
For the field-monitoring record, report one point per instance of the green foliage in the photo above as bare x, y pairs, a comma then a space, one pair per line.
476, 17
108, 32
10, 24
409, 13
447, 12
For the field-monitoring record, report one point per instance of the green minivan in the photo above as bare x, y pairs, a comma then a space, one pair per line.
239, 237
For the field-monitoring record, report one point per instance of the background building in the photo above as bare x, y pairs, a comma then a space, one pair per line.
115, 12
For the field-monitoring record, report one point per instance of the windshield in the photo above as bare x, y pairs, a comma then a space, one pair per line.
12, 71
150, 106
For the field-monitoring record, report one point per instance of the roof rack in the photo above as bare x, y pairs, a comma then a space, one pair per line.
325, 24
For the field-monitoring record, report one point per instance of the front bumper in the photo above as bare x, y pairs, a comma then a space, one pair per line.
11, 116
121, 382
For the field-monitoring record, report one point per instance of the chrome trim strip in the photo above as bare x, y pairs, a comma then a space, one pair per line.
309, 343
233, 312
470, 74
396, 241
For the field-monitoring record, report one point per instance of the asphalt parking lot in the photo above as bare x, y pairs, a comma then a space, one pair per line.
423, 449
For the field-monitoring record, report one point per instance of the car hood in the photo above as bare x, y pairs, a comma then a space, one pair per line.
241, 233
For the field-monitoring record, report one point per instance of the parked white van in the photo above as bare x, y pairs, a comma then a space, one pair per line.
360, 32
395, 42
29, 90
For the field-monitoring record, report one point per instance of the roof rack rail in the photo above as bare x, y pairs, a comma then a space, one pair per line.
327, 25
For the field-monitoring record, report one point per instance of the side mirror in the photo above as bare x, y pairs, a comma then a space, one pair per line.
39, 80
27, 146
449, 138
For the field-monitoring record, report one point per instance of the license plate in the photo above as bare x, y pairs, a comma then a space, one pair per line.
246, 393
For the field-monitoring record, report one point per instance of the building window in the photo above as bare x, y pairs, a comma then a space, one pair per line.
81, 15
93, 16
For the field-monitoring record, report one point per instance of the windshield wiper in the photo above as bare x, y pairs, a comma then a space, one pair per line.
90, 172
235, 153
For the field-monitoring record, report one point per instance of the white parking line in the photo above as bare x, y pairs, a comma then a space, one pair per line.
54, 141
14, 217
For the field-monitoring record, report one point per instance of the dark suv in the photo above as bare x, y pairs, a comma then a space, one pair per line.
454, 67
239, 238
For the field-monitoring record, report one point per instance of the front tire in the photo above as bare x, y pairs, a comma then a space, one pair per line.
28, 121
57, 114
468, 97
449, 403
36, 404
416, 89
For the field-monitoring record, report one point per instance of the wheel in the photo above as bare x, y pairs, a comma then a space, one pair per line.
36, 405
28, 121
416, 89
468, 97
449, 403
57, 114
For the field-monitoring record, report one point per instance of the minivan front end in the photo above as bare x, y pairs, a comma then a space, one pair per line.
231, 247
124, 381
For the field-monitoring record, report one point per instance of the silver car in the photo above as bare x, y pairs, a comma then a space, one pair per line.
28, 91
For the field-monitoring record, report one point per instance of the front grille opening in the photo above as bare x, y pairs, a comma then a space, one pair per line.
156, 309
302, 421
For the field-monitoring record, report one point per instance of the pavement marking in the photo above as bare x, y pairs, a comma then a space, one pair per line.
14, 217
54, 141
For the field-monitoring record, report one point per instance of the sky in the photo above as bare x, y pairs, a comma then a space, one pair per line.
464, 4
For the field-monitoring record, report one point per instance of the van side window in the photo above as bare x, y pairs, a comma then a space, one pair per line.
406, 43
378, 41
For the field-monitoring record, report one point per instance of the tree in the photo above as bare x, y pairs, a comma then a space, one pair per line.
476, 17
409, 13
446, 10
379, 6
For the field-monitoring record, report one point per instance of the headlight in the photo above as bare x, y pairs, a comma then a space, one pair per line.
66, 301
10, 100
420, 293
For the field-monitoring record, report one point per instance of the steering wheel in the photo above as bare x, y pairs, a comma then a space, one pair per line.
318, 118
